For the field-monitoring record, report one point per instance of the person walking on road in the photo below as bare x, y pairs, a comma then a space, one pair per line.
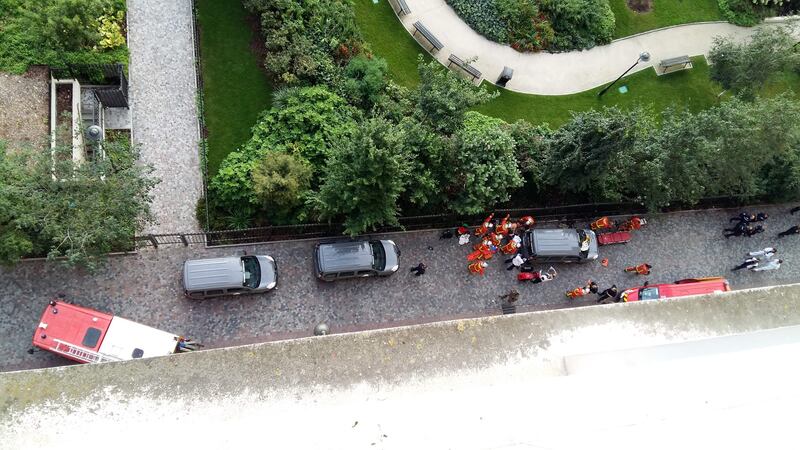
641, 269
610, 293
767, 253
751, 231
747, 217
770, 264
738, 230
794, 210
793, 230
419, 269
749, 264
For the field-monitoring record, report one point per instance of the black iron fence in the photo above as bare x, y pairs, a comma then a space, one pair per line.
569, 214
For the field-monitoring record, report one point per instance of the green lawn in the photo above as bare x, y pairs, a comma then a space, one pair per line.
380, 27
663, 14
688, 88
236, 90
387, 38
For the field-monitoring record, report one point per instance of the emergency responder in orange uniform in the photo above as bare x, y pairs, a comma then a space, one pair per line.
504, 226
483, 251
495, 239
633, 224
510, 248
641, 269
603, 222
591, 286
485, 226
526, 222
478, 267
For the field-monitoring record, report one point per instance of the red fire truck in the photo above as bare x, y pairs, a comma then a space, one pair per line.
89, 336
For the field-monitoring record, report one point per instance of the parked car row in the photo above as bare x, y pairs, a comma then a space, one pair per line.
236, 275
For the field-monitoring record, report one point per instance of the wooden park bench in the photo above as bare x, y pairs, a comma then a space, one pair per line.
402, 8
475, 73
423, 30
673, 65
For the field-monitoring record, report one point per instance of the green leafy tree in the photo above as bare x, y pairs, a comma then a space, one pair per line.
746, 67
364, 81
531, 142
305, 40
78, 211
595, 153
280, 183
579, 23
443, 98
67, 24
483, 170
304, 121
364, 180
427, 157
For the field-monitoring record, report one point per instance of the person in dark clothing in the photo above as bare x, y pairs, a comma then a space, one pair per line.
446, 234
593, 288
751, 231
610, 293
793, 230
748, 263
744, 217
738, 230
760, 217
794, 210
419, 269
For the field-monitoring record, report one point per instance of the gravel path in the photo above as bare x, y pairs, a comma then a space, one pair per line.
163, 93
25, 108
146, 287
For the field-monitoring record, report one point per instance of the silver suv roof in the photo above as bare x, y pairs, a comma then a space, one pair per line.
556, 242
345, 256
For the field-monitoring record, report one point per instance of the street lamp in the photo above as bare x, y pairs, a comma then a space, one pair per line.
643, 57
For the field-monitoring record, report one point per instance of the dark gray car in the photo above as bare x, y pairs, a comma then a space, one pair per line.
353, 259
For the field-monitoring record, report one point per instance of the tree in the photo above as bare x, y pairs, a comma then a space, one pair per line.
746, 67
427, 152
595, 154
304, 121
67, 24
364, 81
443, 98
483, 170
364, 179
280, 183
579, 23
80, 211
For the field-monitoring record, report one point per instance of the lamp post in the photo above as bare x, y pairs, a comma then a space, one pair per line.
643, 57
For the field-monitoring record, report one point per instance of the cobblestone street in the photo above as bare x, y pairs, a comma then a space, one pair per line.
146, 287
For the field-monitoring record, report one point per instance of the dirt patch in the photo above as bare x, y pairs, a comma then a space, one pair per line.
640, 6
25, 107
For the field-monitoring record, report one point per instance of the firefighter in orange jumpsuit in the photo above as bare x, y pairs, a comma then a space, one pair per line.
633, 224
641, 269
495, 239
510, 248
603, 222
526, 222
478, 267
591, 286
485, 226
504, 227
483, 251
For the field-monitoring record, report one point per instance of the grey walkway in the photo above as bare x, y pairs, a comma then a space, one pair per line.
163, 92
560, 73
146, 287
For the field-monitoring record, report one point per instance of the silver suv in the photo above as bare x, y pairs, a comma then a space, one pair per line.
234, 275
560, 245
353, 259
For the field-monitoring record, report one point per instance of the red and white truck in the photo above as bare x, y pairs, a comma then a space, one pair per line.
89, 336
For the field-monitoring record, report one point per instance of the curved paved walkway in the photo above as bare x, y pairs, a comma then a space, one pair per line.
560, 73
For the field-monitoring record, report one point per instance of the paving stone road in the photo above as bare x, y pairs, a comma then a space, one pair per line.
146, 287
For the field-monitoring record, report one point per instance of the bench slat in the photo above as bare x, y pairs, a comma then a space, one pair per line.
428, 35
462, 64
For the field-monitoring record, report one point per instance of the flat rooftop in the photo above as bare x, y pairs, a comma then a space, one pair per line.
719, 371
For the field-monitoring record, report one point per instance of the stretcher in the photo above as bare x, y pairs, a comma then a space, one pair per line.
617, 237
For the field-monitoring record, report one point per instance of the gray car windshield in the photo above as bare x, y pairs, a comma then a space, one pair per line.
252, 271
378, 256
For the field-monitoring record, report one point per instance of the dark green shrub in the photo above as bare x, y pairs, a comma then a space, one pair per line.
483, 16
579, 23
